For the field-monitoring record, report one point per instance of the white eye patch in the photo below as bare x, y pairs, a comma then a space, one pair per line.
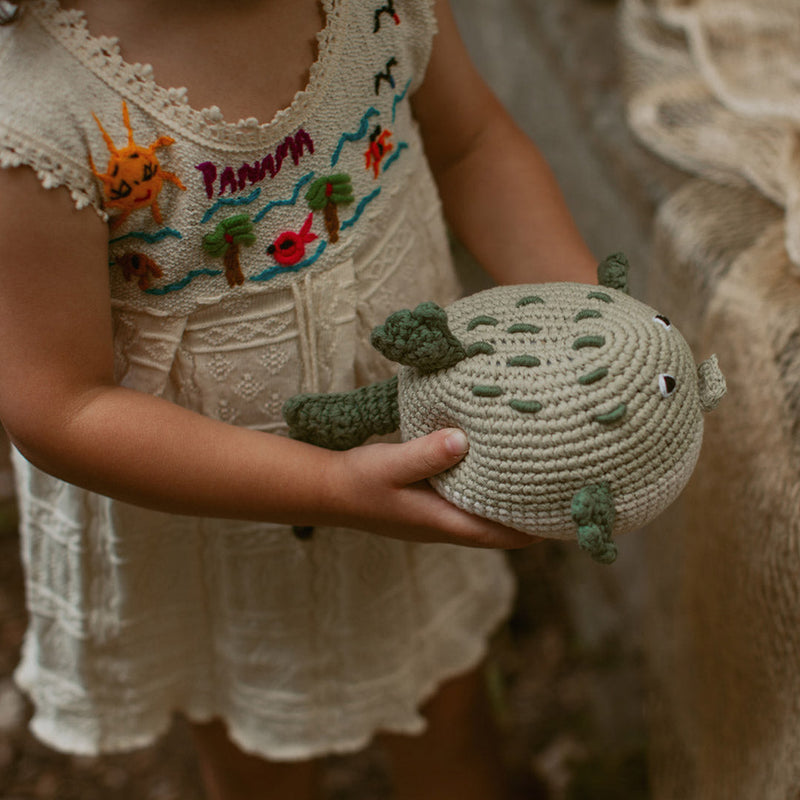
663, 321
667, 384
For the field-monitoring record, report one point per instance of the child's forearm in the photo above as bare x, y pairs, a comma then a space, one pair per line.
499, 195
150, 452
503, 202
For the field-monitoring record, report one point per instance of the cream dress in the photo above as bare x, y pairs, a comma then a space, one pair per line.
248, 262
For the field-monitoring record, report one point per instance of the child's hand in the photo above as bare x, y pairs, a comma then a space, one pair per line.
386, 491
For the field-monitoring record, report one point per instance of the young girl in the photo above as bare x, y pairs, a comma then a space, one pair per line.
176, 263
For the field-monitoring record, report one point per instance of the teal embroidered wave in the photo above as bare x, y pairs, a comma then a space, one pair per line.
362, 131
289, 202
394, 156
398, 98
231, 201
360, 209
183, 282
150, 238
273, 272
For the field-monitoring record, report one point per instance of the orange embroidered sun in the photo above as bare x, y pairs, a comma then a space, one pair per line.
133, 178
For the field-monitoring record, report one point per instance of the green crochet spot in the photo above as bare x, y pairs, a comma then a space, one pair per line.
523, 327
587, 313
526, 406
523, 361
588, 341
593, 376
529, 300
480, 348
482, 320
606, 298
612, 416
487, 391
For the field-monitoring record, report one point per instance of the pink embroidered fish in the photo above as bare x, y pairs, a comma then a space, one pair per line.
290, 247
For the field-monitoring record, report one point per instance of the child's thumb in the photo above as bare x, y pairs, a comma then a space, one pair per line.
429, 455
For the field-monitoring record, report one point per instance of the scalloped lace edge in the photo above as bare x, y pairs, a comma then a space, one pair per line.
52, 174
102, 56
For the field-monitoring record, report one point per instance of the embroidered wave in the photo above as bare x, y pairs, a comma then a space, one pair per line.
273, 272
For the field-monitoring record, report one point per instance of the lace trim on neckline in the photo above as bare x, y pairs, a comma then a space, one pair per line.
136, 82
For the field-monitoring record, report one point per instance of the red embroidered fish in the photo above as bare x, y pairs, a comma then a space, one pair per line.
379, 148
290, 247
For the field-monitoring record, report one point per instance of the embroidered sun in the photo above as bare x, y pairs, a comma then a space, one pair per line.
134, 177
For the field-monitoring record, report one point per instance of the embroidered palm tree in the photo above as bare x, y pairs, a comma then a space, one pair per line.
229, 234
328, 193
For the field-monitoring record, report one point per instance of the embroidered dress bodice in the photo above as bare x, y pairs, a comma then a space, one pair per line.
248, 262
308, 224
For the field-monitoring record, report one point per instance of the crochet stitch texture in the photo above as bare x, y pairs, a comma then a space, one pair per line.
583, 406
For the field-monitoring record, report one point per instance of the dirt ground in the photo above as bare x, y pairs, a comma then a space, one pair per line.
544, 686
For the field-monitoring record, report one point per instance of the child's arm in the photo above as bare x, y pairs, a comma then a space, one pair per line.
499, 195
61, 408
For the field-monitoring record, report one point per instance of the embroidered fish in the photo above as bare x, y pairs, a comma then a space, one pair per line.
379, 147
290, 247
133, 178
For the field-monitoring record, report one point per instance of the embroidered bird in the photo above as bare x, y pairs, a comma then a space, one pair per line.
388, 9
290, 247
386, 75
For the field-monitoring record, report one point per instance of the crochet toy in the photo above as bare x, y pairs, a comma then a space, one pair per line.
583, 406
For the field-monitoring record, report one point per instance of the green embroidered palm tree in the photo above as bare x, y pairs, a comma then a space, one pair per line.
328, 193
229, 234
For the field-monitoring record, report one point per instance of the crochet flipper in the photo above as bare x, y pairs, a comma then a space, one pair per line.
346, 419
593, 513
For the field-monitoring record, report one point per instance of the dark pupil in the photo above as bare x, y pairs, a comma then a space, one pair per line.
287, 244
148, 172
669, 384
663, 319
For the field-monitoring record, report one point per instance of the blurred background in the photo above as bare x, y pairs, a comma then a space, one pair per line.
672, 674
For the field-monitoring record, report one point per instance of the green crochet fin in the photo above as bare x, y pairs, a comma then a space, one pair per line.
343, 420
420, 338
613, 272
593, 512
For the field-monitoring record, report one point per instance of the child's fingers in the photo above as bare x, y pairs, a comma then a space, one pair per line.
419, 459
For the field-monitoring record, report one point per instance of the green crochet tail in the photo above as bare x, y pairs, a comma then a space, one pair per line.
344, 420
593, 512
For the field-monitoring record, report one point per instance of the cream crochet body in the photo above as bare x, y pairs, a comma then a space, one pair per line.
248, 263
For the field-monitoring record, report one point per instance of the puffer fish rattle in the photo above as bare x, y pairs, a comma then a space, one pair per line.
583, 406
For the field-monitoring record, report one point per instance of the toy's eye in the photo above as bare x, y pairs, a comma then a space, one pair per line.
666, 384
662, 320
